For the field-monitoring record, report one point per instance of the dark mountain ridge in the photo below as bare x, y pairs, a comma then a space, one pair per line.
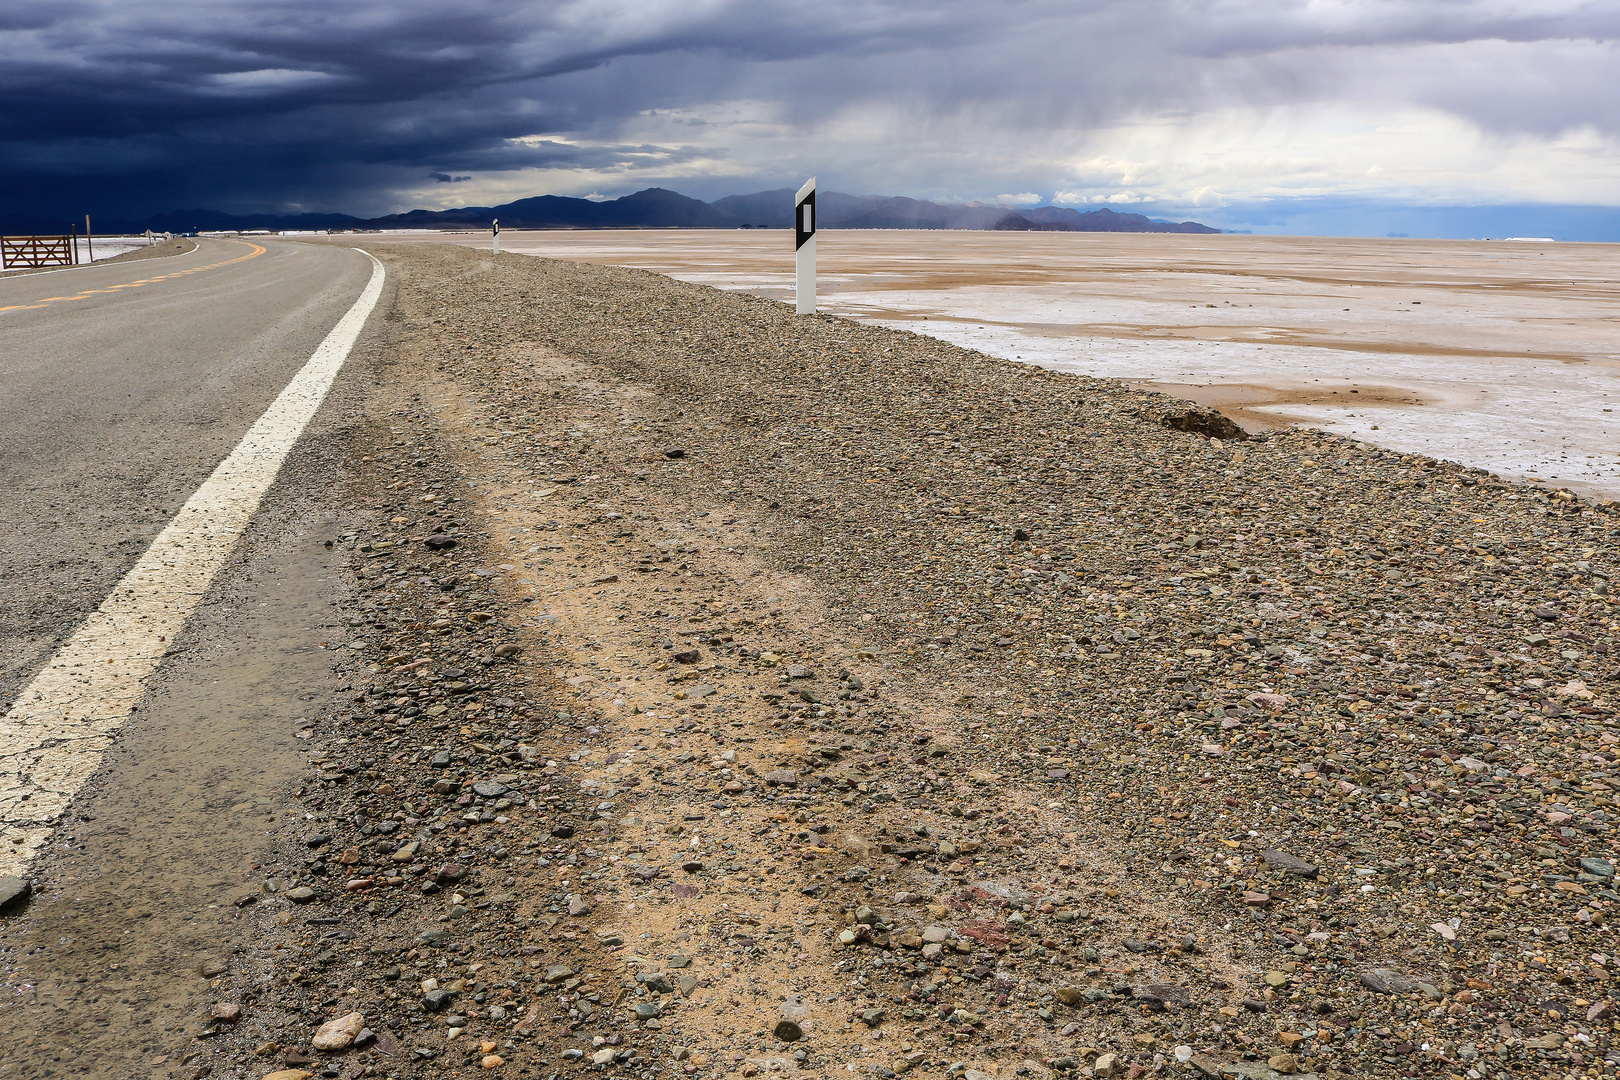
654, 208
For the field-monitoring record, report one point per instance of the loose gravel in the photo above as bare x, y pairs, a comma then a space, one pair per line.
737, 692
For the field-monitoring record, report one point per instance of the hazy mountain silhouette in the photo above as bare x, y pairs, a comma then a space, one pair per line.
654, 208
1105, 220
839, 211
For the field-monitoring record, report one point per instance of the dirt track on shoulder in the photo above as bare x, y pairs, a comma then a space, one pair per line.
734, 692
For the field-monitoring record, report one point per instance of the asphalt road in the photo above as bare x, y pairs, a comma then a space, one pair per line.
121, 388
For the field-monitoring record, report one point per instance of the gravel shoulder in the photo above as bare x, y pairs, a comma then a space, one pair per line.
180, 245
731, 692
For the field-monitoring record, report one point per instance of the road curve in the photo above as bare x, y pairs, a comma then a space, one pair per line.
121, 388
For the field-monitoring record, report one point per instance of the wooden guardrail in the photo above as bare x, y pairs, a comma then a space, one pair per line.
33, 252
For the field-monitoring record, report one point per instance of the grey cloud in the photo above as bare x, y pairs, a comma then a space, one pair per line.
142, 105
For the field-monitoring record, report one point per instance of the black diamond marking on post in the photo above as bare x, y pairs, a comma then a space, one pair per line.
804, 248
804, 219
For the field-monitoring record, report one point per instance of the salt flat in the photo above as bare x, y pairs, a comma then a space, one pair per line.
1498, 354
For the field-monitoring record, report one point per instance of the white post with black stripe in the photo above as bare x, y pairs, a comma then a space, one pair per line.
495, 237
804, 247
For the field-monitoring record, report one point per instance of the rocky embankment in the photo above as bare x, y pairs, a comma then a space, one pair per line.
734, 692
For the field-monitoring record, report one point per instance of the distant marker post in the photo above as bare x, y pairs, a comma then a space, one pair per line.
804, 247
495, 237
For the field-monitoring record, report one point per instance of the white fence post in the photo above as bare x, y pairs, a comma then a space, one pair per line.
804, 247
495, 237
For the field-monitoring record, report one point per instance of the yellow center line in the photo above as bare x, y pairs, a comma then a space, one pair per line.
255, 253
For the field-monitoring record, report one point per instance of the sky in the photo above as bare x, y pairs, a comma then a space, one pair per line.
1308, 115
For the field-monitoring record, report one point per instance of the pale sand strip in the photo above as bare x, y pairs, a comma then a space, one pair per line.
65, 719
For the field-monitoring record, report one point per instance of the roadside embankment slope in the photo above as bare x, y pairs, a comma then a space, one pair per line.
956, 711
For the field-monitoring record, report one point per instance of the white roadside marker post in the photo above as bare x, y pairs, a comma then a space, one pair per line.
804, 247
495, 237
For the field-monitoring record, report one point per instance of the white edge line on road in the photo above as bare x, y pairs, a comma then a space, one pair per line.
65, 719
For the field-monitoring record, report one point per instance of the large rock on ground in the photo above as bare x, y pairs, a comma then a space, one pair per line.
13, 891
338, 1034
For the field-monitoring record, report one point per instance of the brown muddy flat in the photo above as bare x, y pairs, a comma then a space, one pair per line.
1242, 402
1485, 298
1512, 346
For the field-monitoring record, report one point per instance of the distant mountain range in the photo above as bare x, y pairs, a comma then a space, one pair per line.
656, 208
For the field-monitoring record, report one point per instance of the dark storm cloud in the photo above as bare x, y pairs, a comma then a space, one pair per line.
139, 105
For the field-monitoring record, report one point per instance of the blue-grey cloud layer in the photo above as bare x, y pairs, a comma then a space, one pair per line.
140, 106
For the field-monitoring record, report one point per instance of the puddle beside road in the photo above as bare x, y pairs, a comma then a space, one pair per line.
103, 971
